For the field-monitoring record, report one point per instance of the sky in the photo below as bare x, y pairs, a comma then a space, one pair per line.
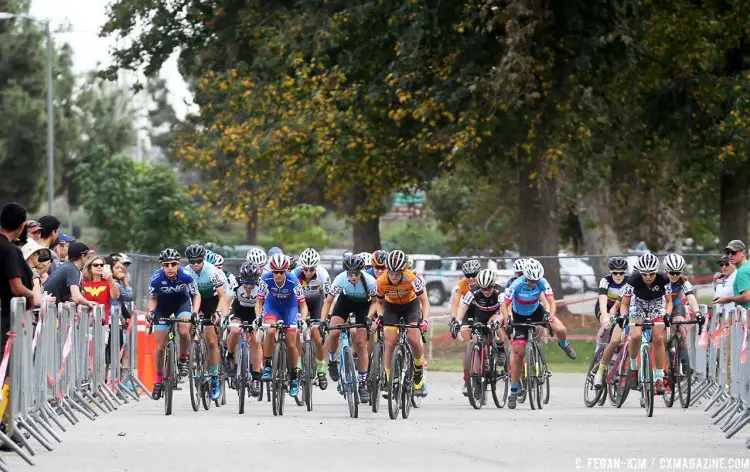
90, 51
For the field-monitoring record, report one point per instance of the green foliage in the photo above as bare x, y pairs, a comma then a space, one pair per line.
418, 236
294, 229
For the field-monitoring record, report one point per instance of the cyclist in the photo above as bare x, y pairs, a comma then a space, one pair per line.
243, 309
257, 256
518, 269
315, 283
610, 291
524, 296
356, 291
280, 296
232, 283
172, 291
463, 287
401, 294
679, 285
214, 306
486, 301
378, 259
367, 258
272, 252
646, 295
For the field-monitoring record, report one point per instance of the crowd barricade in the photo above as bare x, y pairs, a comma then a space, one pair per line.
56, 361
721, 374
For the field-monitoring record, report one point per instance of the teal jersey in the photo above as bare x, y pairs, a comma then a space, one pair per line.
209, 279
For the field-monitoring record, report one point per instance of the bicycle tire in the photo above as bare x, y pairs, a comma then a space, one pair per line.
308, 363
349, 372
394, 383
502, 377
531, 383
279, 379
169, 361
375, 378
204, 382
243, 366
222, 400
591, 394
647, 386
672, 379
603, 398
476, 376
195, 375
542, 385
407, 386
685, 383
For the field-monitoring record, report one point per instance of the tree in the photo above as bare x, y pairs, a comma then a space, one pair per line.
295, 228
161, 113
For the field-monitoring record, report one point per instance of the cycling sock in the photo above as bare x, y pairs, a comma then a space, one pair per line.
563, 343
320, 366
659, 374
331, 357
633, 363
255, 375
267, 362
299, 362
213, 370
361, 376
602, 368
159, 377
387, 374
514, 387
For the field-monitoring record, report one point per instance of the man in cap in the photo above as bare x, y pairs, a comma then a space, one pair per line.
60, 253
34, 229
65, 282
736, 251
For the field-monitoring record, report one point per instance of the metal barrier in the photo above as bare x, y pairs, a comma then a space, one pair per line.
721, 374
58, 369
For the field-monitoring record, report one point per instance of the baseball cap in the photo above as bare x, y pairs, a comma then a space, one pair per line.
723, 260
735, 245
125, 259
64, 238
77, 250
33, 226
31, 247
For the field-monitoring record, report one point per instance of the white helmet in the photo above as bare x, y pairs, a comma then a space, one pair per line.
218, 259
396, 261
367, 257
647, 264
518, 265
674, 263
533, 270
257, 255
486, 278
309, 258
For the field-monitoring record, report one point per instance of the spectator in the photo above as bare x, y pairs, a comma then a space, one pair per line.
65, 283
38, 258
50, 226
34, 230
12, 266
98, 284
120, 274
737, 255
60, 254
724, 279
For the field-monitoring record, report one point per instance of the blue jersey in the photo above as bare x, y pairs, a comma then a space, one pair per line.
172, 295
290, 293
680, 286
357, 293
371, 271
510, 281
525, 299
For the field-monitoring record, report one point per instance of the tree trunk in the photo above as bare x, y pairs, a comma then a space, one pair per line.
733, 207
366, 235
251, 227
538, 212
597, 226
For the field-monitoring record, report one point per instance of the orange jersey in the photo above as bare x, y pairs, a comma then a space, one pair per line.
407, 289
462, 287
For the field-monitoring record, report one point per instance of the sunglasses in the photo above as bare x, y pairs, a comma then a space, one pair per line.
618, 273
277, 272
723, 264
97, 265
309, 269
731, 253
472, 275
250, 282
354, 273
169, 264
196, 261
675, 273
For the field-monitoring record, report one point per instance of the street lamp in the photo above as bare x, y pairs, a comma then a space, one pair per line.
50, 123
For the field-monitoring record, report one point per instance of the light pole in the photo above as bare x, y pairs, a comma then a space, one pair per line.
50, 122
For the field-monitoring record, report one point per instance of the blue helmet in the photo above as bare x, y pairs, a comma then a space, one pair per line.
210, 257
274, 250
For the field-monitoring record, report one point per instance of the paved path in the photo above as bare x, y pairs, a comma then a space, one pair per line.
445, 434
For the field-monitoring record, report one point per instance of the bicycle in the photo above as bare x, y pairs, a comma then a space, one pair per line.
678, 378
200, 378
243, 375
376, 380
536, 374
618, 372
308, 375
645, 370
481, 360
348, 383
400, 385
592, 395
171, 373
279, 369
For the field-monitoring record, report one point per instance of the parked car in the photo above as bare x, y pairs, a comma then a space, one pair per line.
577, 267
442, 274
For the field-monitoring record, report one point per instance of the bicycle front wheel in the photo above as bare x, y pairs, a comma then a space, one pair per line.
499, 382
308, 366
376, 376
350, 381
532, 386
684, 382
591, 394
280, 373
169, 362
647, 384
243, 366
407, 386
195, 375
204, 382
476, 377
394, 383
672, 378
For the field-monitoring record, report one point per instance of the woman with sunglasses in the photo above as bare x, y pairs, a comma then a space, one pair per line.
378, 259
611, 288
647, 295
355, 292
463, 287
99, 285
680, 287
173, 292
243, 309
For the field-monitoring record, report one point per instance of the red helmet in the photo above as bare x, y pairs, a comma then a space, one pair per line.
279, 262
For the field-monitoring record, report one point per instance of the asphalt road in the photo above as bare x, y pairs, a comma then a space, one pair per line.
444, 434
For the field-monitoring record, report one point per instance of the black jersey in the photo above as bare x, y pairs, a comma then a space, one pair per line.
636, 287
482, 302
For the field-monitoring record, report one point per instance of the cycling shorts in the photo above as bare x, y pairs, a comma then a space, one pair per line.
183, 313
314, 305
407, 312
209, 306
273, 312
244, 313
345, 305
521, 333
654, 310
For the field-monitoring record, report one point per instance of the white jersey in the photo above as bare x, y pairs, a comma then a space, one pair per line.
318, 286
245, 298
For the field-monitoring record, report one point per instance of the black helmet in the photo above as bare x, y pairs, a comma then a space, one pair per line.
250, 271
617, 263
353, 262
169, 254
195, 251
